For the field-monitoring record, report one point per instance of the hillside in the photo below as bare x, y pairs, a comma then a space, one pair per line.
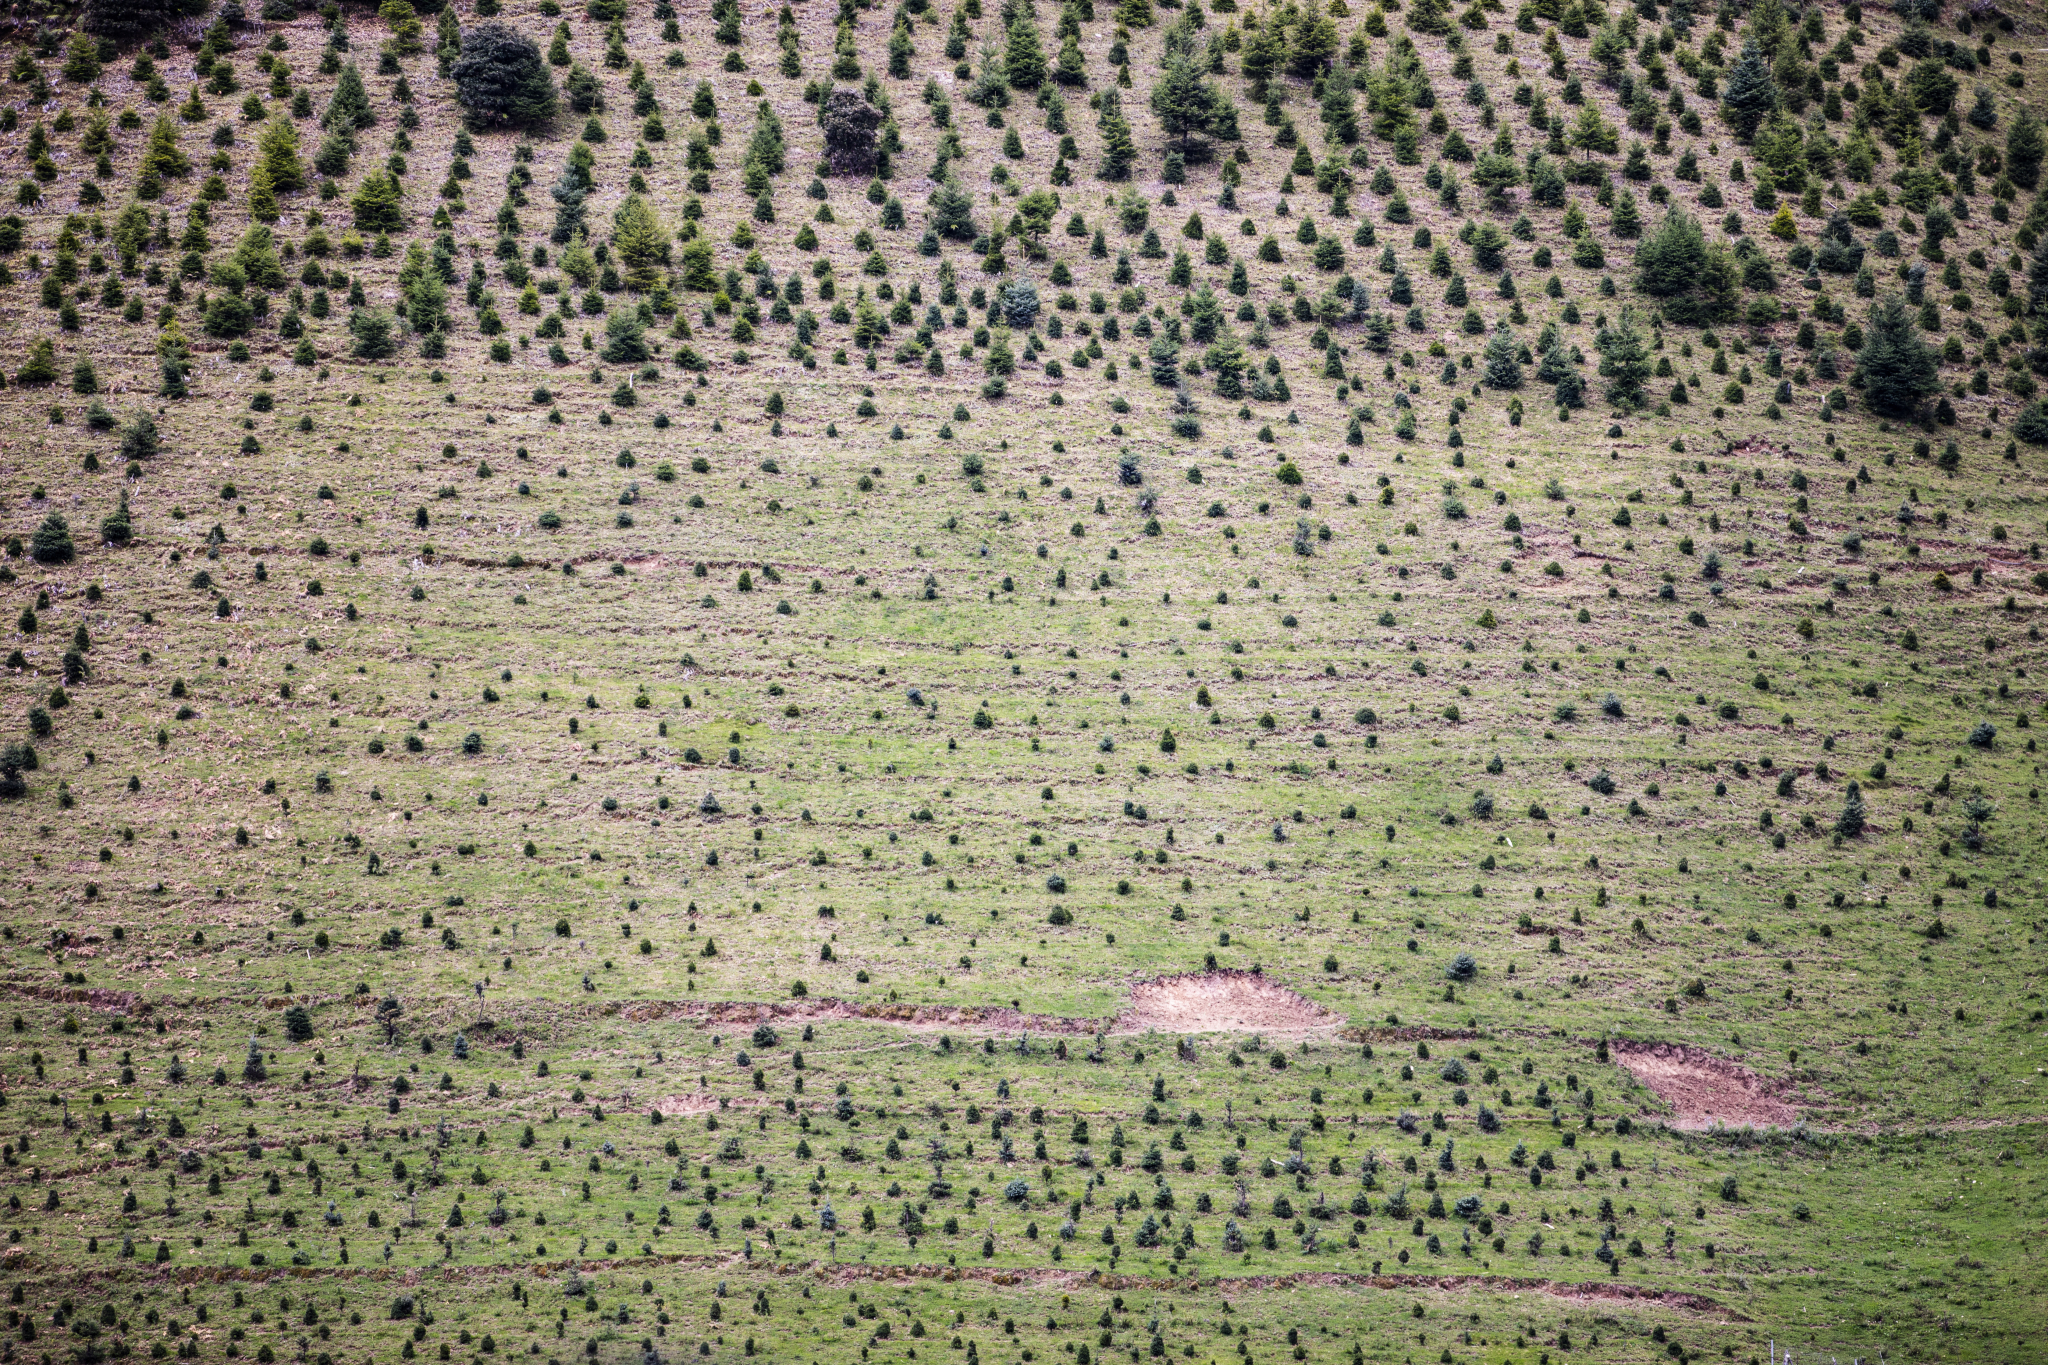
558, 555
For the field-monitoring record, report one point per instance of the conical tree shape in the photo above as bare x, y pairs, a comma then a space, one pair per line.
277, 151
641, 241
377, 206
1503, 371
350, 105
1024, 58
1898, 368
262, 195
1119, 150
161, 156
1750, 95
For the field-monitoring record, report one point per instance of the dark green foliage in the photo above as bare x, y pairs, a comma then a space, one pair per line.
378, 206
2026, 143
501, 78
1695, 282
116, 528
2031, 424
16, 759
373, 334
850, 143
139, 438
1624, 359
1750, 95
124, 20
41, 366
1188, 104
1119, 150
349, 107
1931, 87
227, 315
583, 90
51, 543
950, 210
625, 338
2037, 276
256, 257
335, 150
1024, 57
1898, 368
1853, 819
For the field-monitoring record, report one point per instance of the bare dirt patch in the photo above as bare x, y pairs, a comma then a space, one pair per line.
742, 1014
1200, 1002
1704, 1089
1221, 1002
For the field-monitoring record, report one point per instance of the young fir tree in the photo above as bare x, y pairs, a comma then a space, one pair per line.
1503, 370
1899, 369
1750, 95
1024, 56
277, 152
1624, 359
349, 107
1119, 150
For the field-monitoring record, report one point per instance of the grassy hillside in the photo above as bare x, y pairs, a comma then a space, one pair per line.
1452, 592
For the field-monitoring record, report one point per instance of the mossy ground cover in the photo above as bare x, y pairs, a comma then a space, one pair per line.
1347, 562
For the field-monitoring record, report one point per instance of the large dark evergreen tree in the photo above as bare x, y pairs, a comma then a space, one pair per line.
1695, 282
1898, 367
127, 19
1751, 95
2037, 276
2025, 144
1024, 57
850, 122
501, 78
1184, 100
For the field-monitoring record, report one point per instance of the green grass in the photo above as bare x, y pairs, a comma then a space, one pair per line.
1340, 720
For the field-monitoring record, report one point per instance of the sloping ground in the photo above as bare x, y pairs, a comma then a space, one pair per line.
1704, 1089
1198, 1002
851, 1273
744, 1014
1585, 1291
1221, 1002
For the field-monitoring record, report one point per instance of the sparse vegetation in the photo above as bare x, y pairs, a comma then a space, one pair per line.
1064, 576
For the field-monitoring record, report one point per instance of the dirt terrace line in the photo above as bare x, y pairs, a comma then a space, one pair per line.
742, 1012
1197, 1002
839, 1272
1311, 1017
1226, 1284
